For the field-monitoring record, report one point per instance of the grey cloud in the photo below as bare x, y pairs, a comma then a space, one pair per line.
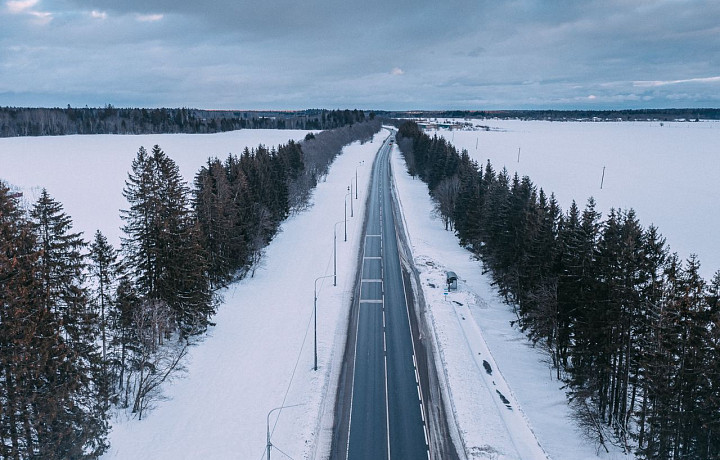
289, 54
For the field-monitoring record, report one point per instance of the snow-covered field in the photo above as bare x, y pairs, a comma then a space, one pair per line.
87, 173
668, 173
260, 354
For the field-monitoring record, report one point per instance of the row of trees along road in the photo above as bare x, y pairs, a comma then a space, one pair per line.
633, 331
86, 329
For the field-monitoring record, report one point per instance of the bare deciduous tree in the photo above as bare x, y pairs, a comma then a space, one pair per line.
155, 361
446, 194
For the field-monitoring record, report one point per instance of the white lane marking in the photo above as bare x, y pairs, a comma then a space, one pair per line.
354, 364
407, 311
387, 399
352, 385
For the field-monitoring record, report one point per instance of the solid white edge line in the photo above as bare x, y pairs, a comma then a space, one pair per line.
387, 399
407, 311
382, 276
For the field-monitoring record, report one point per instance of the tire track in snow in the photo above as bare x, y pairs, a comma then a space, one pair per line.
516, 422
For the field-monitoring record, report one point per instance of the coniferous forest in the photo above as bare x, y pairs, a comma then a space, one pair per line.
23, 121
87, 329
632, 331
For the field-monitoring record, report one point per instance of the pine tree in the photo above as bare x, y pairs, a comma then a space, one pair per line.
468, 206
216, 213
105, 272
655, 258
20, 314
50, 361
61, 262
162, 246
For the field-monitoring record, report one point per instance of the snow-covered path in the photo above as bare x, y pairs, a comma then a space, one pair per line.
503, 396
260, 354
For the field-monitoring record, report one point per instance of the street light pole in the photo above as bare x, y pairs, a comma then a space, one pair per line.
352, 213
346, 195
335, 252
315, 316
356, 178
269, 444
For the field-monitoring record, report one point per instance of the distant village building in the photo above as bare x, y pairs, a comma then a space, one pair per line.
450, 125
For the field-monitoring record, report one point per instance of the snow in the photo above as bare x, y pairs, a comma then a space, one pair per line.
472, 325
260, 354
666, 172
86, 173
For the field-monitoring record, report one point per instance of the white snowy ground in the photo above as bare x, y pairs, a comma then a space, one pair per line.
668, 174
87, 173
260, 354
472, 326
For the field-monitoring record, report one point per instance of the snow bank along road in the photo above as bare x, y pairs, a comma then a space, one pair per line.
386, 418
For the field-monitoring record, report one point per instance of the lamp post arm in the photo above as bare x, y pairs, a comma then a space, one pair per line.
269, 444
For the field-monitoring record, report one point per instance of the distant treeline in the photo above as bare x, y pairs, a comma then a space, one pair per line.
569, 115
86, 328
633, 331
19, 121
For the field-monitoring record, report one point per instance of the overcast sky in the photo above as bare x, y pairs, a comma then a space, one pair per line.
383, 54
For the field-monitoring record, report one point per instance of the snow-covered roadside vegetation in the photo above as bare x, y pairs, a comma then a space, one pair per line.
124, 324
479, 351
259, 356
629, 327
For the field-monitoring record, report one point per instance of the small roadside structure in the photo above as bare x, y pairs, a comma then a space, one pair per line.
451, 281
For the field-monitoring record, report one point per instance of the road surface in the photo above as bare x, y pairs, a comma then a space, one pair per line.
386, 418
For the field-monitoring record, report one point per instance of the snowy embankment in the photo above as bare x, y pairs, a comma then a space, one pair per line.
503, 395
260, 354
667, 172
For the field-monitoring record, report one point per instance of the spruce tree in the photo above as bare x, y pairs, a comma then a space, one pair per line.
49, 358
61, 262
214, 208
105, 272
163, 249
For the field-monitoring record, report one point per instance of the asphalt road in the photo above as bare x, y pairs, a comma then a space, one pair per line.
386, 417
